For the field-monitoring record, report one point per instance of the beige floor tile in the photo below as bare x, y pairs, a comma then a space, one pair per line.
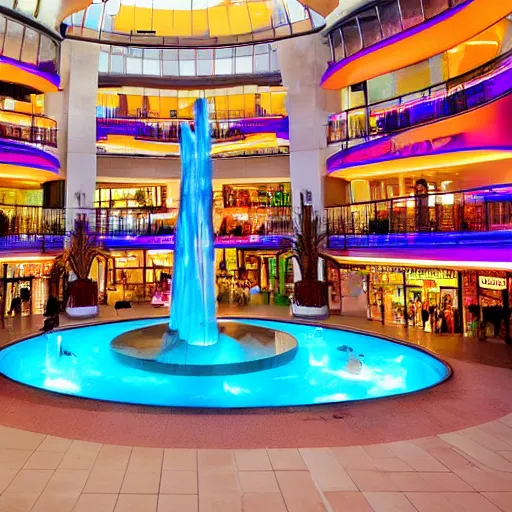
178, 482
372, 481
429, 482
6, 477
252, 460
113, 457
215, 460
347, 502
96, 503
355, 457
80, 455
416, 457
141, 482
258, 481
299, 491
146, 459
451, 458
15, 439
43, 460
180, 459
450, 501
389, 502
220, 503
13, 459
55, 444
51, 501
499, 430
104, 481
68, 480
326, 471
507, 420
219, 482
485, 480
286, 459
263, 502
503, 500
476, 451
30, 480
18, 502
136, 503
178, 503
486, 439
506, 454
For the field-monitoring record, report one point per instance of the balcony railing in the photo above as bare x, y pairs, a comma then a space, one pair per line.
450, 98
380, 22
475, 210
30, 134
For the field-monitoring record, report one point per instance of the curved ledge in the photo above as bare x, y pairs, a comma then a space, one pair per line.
24, 74
416, 44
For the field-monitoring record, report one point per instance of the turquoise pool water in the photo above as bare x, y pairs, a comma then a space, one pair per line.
321, 372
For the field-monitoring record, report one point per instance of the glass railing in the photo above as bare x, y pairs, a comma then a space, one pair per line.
475, 210
28, 130
450, 98
23, 222
168, 130
237, 60
380, 22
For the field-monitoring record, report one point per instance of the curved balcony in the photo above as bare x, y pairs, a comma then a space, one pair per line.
394, 34
28, 57
376, 132
480, 215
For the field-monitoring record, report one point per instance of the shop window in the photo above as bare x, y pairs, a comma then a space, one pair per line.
30, 46
351, 37
370, 27
412, 13
337, 45
432, 8
390, 18
13, 40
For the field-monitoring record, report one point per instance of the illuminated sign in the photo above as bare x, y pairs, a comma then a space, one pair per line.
492, 283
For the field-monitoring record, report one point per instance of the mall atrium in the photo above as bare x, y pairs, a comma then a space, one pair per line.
255, 241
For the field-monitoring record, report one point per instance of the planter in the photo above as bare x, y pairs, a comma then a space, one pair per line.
306, 312
82, 312
310, 299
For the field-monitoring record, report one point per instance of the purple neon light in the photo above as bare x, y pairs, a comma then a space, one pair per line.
53, 78
337, 66
12, 153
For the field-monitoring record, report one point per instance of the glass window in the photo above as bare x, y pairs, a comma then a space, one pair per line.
151, 62
412, 13
390, 18
93, 17
243, 64
30, 46
13, 40
337, 45
262, 63
170, 68
224, 61
27, 6
187, 62
370, 27
3, 22
351, 37
432, 8
133, 65
170, 55
48, 55
103, 64
204, 62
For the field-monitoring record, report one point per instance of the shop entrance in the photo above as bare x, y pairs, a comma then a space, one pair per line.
18, 296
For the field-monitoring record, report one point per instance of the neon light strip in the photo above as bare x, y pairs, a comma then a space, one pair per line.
53, 78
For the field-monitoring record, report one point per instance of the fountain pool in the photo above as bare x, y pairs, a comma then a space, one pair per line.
329, 365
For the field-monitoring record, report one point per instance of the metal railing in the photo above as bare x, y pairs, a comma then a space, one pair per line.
474, 210
32, 134
450, 98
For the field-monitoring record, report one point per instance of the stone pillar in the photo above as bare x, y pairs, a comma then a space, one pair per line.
302, 61
75, 110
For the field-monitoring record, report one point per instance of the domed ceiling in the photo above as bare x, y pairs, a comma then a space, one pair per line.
192, 22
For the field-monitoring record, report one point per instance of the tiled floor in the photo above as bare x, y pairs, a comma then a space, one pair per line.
461, 471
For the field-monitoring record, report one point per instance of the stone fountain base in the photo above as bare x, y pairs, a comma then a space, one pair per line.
241, 348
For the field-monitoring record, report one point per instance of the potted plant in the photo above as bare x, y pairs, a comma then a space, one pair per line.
310, 299
82, 299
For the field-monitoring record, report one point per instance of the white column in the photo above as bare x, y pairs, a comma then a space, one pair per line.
302, 61
79, 72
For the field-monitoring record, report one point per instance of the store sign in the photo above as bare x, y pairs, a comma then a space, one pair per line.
430, 273
492, 283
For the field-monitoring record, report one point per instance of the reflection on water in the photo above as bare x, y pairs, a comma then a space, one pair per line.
320, 372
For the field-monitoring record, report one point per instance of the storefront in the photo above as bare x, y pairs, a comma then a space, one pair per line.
25, 287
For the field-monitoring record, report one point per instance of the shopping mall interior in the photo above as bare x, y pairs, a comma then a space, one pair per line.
254, 241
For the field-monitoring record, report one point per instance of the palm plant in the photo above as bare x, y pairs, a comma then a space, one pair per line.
79, 258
